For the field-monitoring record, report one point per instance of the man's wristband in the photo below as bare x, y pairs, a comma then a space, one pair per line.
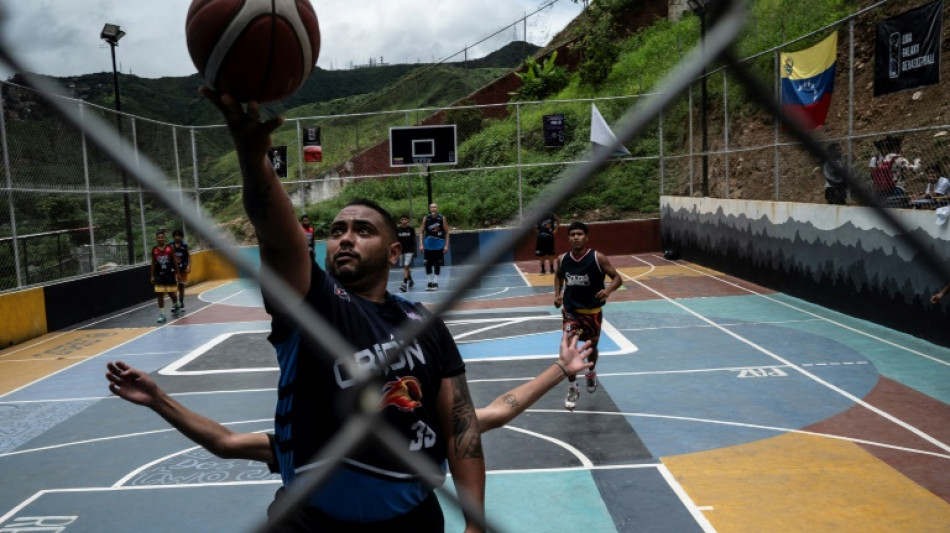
559, 365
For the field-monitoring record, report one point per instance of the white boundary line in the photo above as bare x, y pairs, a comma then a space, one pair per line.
172, 369
118, 437
834, 388
775, 429
585, 461
690, 505
817, 316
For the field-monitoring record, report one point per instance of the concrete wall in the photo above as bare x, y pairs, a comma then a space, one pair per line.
841, 257
33, 312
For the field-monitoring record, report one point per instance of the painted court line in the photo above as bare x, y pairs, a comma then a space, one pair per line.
817, 316
775, 429
118, 437
920, 433
173, 368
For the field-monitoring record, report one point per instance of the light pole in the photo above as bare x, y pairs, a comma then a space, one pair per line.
111, 34
700, 7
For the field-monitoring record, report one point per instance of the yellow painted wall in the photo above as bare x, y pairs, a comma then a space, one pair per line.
22, 315
210, 265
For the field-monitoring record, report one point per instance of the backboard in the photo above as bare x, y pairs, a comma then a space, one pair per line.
422, 145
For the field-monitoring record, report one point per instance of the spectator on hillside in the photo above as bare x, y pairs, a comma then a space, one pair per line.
938, 189
889, 169
836, 188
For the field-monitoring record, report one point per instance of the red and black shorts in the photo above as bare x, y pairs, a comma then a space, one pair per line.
585, 323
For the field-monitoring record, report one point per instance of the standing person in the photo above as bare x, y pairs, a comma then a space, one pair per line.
182, 255
581, 273
544, 246
434, 245
836, 188
369, 489
164, 271
407, 239
308, 231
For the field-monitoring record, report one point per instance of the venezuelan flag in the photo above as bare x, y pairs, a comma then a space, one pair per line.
808, 79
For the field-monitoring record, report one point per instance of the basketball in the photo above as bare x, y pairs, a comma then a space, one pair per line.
261, 50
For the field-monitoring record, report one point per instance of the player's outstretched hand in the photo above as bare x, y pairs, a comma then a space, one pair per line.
572, 357
131, 384
251, 135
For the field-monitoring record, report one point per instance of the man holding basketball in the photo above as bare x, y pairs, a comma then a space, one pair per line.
581, 273
370, 490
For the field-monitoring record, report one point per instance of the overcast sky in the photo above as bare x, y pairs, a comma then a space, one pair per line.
61, 37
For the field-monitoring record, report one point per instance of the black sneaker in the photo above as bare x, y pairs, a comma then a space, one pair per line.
402, 286
412, 283
543, 271
431, 286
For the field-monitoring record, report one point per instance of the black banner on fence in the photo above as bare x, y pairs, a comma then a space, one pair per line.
278, 157
554, 131
907, 51
312, 148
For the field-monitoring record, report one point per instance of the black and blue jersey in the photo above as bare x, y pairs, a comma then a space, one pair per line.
433, 232
181, 252
371, 485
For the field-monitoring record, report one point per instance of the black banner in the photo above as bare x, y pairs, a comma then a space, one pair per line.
278, 157
311, 136
312, 148
553, 131
907, 51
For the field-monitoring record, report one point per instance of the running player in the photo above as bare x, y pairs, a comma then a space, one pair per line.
407, 238
163, 270
184, 266
581, 273
434, 245
544, 247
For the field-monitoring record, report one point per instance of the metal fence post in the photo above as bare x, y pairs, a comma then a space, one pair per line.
85, 170
662, 168
177, 167
518, 145
10, 203
689, 103
135, 144
778, 95
850, 92
300, 168
194, 171
725, 131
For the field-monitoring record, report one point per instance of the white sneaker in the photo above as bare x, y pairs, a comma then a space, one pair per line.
573, 393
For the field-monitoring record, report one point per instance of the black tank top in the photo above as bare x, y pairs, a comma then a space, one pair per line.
583, 279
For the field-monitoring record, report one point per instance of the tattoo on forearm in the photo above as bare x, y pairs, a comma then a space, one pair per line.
510, 400
468, 443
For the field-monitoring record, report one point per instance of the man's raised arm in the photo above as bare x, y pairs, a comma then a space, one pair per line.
283, 246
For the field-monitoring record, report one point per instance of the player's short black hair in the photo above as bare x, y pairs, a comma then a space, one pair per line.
305, 216
160, 232
578, 225
178, 233
387, 216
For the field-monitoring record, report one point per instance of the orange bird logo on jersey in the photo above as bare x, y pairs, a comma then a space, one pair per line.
404, 393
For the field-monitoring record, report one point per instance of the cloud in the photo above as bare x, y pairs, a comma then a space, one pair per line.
61, 37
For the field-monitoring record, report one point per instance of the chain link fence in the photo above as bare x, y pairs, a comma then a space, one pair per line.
66, 210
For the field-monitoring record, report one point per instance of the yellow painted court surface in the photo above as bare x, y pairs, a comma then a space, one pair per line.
25, 363
798, 482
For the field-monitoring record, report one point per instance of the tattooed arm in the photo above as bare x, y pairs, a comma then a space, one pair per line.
464, 443
514, 402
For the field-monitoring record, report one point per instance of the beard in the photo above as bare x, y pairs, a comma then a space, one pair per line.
357, 269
